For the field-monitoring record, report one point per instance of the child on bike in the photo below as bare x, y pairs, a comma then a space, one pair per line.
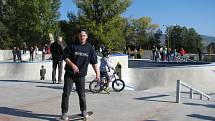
105, 67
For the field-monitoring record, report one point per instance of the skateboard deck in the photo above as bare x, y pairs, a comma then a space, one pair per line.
78, 117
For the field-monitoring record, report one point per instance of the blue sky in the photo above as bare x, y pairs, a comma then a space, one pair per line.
198, 14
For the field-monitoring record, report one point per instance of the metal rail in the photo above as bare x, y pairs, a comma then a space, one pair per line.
178, 91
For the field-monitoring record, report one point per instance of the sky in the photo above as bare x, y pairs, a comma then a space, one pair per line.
197, 14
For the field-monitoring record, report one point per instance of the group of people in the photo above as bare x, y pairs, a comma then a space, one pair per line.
165, 54
33, 52
17, 56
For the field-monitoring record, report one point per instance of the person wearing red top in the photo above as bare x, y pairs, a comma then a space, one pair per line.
182, 52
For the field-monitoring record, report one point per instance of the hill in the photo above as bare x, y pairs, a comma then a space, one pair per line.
206, 40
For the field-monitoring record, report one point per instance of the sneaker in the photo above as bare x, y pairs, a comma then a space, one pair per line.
84, 114
60, 81
107, 89
64, 117
54, 81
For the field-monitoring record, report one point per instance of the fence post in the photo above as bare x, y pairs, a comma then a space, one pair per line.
178, 91
191, 93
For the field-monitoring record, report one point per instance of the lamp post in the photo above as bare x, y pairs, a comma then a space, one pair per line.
168, 28
167, 35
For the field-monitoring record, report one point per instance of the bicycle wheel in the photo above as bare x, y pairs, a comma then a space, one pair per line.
118, 85
94, 86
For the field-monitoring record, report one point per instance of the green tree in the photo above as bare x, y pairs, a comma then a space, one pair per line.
49, 16
141, 33
6, 12
211, 48
195, 39
179, 37
156, 39
103, 20
28, 21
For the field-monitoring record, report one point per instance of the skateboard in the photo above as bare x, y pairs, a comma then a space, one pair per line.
78, 117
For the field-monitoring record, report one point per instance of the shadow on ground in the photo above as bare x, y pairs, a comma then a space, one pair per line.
195, 104
151, 98
202, 117
27, 114
29, 81
61, 88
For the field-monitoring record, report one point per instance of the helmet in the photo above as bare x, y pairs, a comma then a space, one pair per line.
105, 53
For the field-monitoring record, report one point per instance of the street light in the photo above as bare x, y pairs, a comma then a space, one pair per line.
168, 27
167, 35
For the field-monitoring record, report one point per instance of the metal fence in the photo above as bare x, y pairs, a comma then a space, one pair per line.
192, 90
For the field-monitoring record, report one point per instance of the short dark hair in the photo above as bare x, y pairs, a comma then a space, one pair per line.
42, 66
84, 30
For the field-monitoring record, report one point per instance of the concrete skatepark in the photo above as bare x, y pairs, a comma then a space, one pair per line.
25, 98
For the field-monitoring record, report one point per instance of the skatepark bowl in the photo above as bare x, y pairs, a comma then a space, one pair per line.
140, 74
25, 98
145, 74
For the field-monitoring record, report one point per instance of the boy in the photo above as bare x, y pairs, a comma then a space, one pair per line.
105, 67
42, 73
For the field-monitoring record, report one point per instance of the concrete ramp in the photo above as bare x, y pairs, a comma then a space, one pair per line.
24, 70
31, 70
201, 77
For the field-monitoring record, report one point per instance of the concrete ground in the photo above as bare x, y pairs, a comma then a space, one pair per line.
40, 101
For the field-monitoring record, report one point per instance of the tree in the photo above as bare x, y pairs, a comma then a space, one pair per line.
211, 48
7, 12
103, 20
28, 21
181, 37
141, 33
195, 39
49, 15
156, 39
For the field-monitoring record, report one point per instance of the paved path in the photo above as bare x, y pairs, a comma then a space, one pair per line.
40, 101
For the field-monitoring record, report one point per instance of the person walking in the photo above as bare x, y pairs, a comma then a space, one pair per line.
199, 51
77, 56
14, 54
31, 50
36, 50
24, 48
56, 50
19, 54
43, 53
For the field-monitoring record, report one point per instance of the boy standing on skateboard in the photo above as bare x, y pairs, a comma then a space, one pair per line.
77, 56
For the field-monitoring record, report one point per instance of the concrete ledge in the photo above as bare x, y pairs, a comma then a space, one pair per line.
5, 55
24, 70
198, 76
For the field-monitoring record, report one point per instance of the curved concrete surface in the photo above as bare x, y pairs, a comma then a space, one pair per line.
136, 63
31, 70
24, 70
201, 77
